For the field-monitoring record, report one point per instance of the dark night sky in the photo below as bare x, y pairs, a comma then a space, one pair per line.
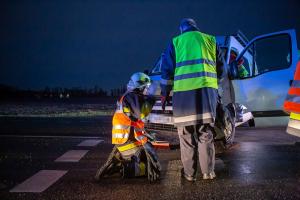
86, 43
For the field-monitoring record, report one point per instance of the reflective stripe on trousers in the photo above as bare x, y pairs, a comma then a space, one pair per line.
129, 149
294, 127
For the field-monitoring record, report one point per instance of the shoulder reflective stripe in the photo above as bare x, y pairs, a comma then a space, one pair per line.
192, 117
195, 75
296, 83
120, 127
119, 111
295, 116
120, 135
166, 82
196, 61
293, 98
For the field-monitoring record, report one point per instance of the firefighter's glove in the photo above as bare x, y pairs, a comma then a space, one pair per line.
151, 136
153, 166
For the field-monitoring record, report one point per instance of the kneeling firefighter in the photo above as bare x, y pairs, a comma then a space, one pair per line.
133, 155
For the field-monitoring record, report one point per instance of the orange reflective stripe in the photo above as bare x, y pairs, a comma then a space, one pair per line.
121, 131
294, 91
291, 106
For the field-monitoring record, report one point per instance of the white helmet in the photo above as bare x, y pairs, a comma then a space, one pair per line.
138, 80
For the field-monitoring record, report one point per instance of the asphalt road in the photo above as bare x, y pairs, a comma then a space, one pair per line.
264, 163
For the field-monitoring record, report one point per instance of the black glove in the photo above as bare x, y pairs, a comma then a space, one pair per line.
151, 136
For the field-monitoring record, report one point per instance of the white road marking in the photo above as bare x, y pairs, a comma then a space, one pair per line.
72, 156
89, 143
50, 136
40, 181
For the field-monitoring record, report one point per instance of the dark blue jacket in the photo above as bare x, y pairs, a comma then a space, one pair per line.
194, 106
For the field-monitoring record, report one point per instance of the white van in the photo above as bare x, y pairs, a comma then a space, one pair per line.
270, 61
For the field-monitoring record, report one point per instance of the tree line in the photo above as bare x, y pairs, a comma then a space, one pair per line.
59, 92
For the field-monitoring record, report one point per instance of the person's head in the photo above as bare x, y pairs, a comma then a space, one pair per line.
138, 82
186, 24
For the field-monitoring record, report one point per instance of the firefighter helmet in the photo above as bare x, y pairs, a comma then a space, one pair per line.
138, 80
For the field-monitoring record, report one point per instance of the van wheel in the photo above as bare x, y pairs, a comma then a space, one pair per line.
229, 124
229, 131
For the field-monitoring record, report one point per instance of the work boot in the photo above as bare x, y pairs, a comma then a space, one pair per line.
212, 175
187, 177
206, 176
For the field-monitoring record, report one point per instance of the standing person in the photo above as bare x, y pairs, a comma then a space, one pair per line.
189, 68
133, 154
292, 103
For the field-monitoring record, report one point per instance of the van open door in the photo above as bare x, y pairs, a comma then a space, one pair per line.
262, 73
269, 52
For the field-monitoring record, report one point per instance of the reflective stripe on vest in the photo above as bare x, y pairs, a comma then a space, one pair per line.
294, 125
292, 101
195, 61
121, 127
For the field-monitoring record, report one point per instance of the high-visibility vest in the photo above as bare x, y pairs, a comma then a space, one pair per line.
195, 61
122, 125
292, 104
